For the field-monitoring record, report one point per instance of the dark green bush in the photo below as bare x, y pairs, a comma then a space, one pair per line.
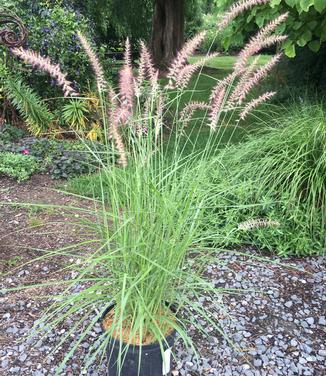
52, 31
68, 164
62, 159
9, 133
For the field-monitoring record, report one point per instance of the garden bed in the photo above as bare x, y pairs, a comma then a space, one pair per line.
279, 326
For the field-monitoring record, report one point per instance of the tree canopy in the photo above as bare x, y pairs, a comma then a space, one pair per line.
305, 26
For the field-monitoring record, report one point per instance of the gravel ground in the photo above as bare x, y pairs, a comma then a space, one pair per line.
278, 329
275, 327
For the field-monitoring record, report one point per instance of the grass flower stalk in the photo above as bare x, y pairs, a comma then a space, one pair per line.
44, 64
255, 103
97, 67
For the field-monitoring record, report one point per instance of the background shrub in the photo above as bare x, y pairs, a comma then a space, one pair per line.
62, 159
18, 166
9, 133
71, 163
52, 31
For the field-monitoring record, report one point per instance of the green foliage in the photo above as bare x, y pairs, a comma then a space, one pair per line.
278, 175
52, 31
32, 108
228, 41
18, 166
305, 26
8, 133
61, 159
114, 20
306, 70
75, 114
213, 41
68, 164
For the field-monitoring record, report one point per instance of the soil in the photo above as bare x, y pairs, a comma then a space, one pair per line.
146, 339
26, 233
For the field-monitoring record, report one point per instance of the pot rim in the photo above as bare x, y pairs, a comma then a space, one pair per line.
150, 347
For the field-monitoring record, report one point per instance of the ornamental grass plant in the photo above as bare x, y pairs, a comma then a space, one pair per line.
148, 251
278, 174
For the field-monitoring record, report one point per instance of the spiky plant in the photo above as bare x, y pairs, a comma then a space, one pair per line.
32, 108
144, 238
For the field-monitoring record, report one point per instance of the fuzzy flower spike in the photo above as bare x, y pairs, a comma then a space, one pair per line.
181, 60
97, 67
44, 64
237, 9
127, 88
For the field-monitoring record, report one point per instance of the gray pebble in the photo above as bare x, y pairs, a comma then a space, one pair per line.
258, 363
22, 357
322, 353
310, 320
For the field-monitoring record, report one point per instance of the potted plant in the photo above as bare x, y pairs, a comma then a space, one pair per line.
145, 274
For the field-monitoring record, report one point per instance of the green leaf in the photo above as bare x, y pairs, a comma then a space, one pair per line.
291, 3
274, 3
323, 33
297, 25
304, 38
290, 50
320, 5
313, 24
260, 19
306, 4
314, 45
281, 28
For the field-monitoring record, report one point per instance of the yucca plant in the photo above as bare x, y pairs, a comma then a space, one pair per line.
75, 114
144, 275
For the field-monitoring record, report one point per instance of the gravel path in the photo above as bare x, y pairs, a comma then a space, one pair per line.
279, 330
276, 327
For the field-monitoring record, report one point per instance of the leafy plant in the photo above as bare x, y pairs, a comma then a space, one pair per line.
9, 133
52, 28
62, 159
68, 164
306, 24
75, 114
18, 166
34, 111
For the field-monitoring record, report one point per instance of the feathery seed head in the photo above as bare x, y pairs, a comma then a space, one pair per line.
237, 9
255, 103
187, 51
257, 223
44, 64
96, 65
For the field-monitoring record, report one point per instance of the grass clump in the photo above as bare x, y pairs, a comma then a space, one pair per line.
278, 175
147, 247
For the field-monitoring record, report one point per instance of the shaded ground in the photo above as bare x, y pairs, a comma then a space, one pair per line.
279, 326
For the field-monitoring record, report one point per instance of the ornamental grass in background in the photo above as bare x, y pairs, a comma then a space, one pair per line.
148, 252
276, 178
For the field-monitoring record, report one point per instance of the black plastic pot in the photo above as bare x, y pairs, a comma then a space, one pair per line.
143, 360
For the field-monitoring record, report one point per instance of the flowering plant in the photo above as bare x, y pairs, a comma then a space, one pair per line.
148, 250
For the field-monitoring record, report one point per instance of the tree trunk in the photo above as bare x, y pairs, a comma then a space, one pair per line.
167, 31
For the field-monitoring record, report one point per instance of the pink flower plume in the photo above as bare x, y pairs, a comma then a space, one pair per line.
44, 64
